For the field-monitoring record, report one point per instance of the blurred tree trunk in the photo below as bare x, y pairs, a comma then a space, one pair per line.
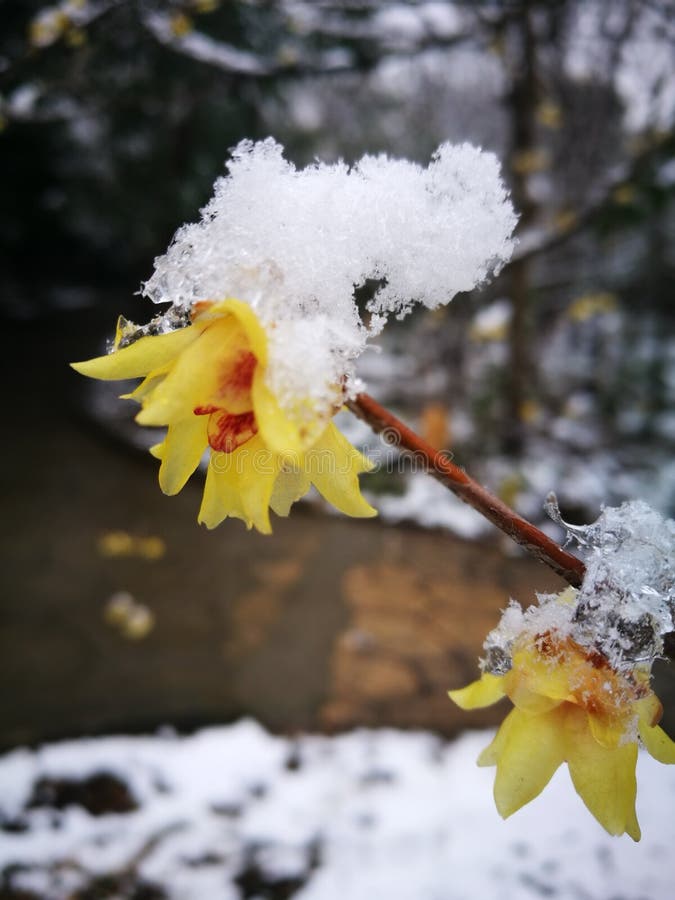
522, 100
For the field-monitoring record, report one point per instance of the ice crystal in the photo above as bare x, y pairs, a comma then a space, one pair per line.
626, 603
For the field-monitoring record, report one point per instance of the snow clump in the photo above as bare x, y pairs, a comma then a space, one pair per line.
295, 243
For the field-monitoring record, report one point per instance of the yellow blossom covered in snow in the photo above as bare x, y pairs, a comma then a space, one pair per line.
571, 706
206, 383
260, 381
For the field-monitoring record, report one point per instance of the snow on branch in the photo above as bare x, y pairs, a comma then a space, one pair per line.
205, 49
395, 30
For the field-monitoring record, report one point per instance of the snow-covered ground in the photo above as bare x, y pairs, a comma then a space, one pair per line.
233, 812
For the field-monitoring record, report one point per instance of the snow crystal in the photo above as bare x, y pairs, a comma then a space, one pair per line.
626, 603
499, 642
295, 243
555, 613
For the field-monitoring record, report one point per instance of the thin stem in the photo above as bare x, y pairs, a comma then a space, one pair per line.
455, 478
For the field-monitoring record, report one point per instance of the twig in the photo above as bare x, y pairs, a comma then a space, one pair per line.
455, 478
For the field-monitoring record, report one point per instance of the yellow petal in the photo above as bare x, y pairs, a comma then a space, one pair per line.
194, 377
533, 749
243, 349
221, 496
149, 383
540, 675
240, 484
333, 466
657, 743
488, 689
611, 730
279, 433
259, 470
139, 358
181, 452
246, 317
632, 825
490, 755
568, 597
649, 709
525, 699
604, 778
290, 486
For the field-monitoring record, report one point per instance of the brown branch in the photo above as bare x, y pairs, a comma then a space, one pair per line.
455, 478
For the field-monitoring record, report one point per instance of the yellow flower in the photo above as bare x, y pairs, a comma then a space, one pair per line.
570, 706
206, 382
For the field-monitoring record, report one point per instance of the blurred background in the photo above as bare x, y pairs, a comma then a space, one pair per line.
119, 613
116, 116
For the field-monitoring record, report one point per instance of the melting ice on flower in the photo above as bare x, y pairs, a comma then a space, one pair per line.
256, 350
577, 668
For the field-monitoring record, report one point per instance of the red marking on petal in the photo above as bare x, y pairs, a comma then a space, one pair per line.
226, 432
237, 377
205, 410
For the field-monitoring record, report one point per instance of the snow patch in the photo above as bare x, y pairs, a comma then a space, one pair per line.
366, 814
